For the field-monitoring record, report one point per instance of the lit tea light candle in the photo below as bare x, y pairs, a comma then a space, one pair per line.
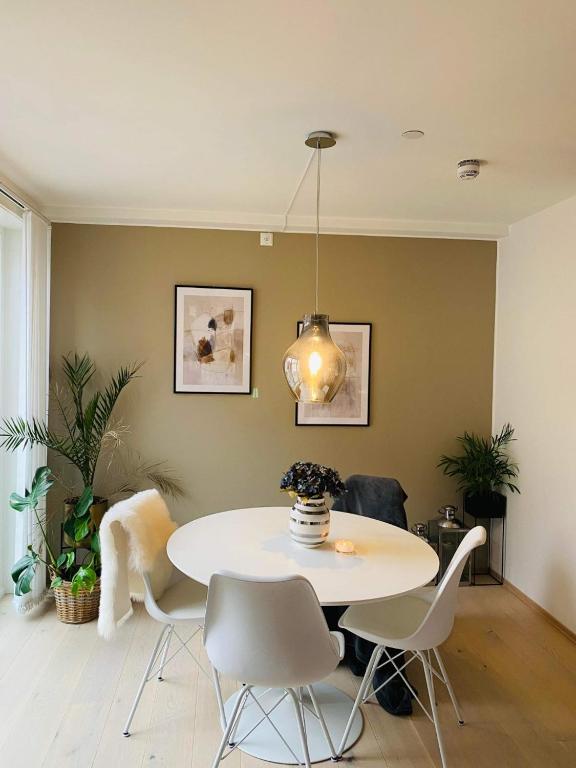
344, 547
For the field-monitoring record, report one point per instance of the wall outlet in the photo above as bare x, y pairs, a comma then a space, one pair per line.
266, 238
255, 393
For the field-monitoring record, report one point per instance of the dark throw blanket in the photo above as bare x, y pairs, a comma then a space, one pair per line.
381, 498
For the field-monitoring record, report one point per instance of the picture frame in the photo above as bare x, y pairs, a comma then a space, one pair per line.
212, 340
351, 405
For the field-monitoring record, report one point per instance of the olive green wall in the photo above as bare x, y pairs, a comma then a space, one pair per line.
431, 303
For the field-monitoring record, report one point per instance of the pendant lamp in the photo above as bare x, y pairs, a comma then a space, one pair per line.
314, 365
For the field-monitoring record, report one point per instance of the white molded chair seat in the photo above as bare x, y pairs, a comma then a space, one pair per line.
388, 621
185, 600
339, 643
417, 623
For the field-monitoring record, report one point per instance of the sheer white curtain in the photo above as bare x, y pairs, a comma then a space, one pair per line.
24, 339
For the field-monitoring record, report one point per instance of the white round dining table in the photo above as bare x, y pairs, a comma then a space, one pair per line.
387, 561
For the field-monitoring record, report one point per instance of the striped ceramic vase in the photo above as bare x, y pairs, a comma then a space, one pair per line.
309, 522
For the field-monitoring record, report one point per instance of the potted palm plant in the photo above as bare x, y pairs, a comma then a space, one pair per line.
86, 429
310, 484
87, 434
484, 469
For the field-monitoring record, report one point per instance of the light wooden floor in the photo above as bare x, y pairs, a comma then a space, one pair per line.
64, 695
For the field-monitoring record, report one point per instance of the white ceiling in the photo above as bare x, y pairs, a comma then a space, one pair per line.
195, 113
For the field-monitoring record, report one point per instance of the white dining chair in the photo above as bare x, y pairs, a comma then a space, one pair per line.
127, 529
271, 633
182, 603
416, 623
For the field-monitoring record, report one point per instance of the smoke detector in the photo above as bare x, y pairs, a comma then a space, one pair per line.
468, 169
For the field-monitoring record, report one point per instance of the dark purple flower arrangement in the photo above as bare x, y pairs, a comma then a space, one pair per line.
312, 481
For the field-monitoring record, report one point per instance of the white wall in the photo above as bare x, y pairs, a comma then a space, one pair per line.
535, 389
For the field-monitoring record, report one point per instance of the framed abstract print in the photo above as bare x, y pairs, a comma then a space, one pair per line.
212, 340
351, 405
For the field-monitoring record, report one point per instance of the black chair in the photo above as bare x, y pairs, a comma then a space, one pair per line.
381, 498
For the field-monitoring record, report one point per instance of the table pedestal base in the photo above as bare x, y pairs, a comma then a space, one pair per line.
265, 744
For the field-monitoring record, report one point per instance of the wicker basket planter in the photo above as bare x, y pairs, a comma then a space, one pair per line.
79, 608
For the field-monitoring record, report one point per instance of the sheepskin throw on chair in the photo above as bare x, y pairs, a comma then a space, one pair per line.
133, 537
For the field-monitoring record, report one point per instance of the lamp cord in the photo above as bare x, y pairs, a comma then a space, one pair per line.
296, 191
319, 155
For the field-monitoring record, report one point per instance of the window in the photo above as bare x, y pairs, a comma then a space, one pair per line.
24, 323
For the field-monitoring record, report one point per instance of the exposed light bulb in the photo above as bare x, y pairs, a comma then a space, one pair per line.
314, 363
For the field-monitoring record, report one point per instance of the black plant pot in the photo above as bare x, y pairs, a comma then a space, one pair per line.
485, 505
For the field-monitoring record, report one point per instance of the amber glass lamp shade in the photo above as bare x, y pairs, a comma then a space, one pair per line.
314, 365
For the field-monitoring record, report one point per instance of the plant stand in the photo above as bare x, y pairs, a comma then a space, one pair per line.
488, 560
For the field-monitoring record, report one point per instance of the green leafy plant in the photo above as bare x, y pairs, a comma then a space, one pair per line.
88, 431
87, 439
65, 567
484, 465
86, 425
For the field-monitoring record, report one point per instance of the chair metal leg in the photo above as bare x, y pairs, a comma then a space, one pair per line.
432, 696
231, 724
364, 685
233, 731
325, 731
145, 679
303, 740
449, 686
165, 652
300, 694
219, 699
